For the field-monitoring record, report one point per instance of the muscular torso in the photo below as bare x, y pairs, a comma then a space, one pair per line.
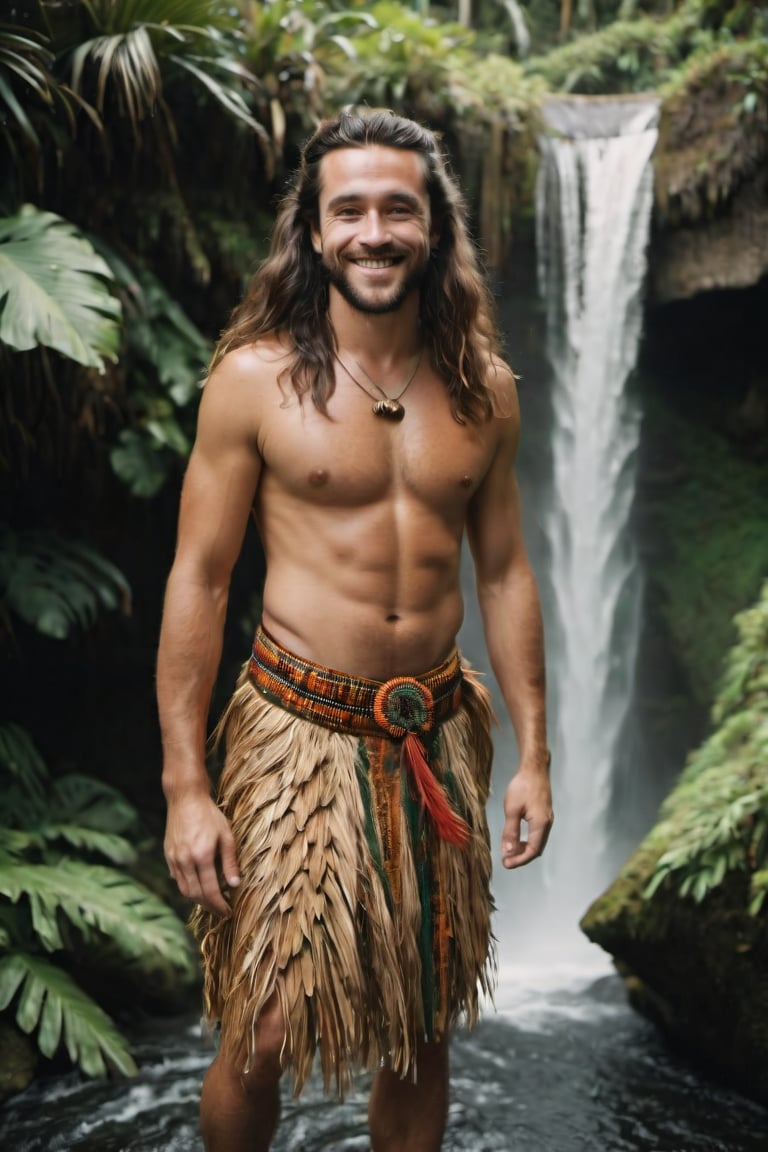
362, 521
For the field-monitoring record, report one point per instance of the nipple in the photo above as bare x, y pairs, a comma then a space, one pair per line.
466, 481
318, 477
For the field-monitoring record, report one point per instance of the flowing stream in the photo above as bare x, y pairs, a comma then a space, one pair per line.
563, 1065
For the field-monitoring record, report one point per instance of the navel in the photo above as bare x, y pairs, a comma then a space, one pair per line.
318, 477
392, 618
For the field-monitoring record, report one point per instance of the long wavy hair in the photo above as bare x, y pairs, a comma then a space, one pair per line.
289, 290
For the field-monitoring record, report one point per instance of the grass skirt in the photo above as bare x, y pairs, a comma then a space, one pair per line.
372, 929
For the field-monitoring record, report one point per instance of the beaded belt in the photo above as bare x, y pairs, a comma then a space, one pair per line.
405, 708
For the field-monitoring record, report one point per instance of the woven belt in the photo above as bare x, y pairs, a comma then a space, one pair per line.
405, 708
349, 703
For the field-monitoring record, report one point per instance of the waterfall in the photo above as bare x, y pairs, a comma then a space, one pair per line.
594, 200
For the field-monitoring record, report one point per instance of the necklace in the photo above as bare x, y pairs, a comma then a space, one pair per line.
389, 406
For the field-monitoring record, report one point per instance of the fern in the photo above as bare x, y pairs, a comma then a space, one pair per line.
50, 1003
722, 798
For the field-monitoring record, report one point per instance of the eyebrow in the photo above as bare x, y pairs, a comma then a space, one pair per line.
357, 198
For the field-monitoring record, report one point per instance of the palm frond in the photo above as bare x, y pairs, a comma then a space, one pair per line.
229, 98
99, 901
52, 1005
24, 61
53, 290
129, 62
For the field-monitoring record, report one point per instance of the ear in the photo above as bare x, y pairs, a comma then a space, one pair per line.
434, 236
317, 240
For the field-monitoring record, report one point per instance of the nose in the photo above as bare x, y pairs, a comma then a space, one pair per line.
374, 229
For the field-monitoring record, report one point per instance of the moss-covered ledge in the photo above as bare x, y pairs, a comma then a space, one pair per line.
686, 919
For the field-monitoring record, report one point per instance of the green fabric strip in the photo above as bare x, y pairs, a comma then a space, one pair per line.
363, 770
417, 833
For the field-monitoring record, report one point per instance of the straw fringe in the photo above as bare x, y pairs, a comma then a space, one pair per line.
328, 913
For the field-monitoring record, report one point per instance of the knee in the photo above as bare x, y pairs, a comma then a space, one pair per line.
269, 1039
263, 1063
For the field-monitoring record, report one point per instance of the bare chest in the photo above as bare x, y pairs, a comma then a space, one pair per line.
353, 457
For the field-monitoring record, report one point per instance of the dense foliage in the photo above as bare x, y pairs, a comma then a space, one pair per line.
716, 818
66, 848
142, 145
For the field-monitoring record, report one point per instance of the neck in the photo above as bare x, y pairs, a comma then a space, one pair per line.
385, 338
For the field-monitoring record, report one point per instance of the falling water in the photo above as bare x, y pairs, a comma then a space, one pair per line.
594, 200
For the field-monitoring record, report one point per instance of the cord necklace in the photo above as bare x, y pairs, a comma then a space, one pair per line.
389, 407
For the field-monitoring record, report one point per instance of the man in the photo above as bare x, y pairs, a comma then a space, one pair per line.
358, 406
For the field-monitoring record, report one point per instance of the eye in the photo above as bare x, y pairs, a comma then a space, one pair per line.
348, 212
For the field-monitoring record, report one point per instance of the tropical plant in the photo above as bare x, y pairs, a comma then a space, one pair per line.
54, 290
717, 816
164, 359
54, 584
59, 895
404, 61
121, 56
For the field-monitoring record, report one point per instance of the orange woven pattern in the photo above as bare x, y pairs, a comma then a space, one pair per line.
348, 703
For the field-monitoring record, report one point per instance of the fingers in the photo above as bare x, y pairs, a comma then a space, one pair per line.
229, 867
210, 894
196, 874
516, 851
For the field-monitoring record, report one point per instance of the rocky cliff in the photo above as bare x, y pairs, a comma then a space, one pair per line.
687, 918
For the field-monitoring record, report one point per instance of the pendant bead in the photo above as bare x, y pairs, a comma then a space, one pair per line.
388, 409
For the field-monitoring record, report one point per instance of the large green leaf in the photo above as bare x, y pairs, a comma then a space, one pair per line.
91, 841
93, 804
23, 776
55, 584
54, 291
139, 464
53, 1006
98, 900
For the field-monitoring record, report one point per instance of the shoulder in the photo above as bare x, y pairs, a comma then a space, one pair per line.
240, 389
245, 378
501, 383
259, 362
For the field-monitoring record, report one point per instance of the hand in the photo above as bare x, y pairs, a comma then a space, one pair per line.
528, 797
197, 836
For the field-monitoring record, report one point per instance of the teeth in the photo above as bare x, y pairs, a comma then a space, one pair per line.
375, 263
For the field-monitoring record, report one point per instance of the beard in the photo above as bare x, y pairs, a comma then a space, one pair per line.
381, 305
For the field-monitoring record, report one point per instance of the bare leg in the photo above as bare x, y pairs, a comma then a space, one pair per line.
408, 1117
239, 1112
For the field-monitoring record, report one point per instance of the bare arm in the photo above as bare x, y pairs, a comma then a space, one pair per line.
509, 604
216, 499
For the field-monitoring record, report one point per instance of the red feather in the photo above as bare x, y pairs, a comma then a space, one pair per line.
448, 824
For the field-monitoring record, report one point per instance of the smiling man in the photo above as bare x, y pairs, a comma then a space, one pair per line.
358, 406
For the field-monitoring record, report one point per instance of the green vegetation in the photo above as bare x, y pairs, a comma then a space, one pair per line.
142, 146
718, 502
61, 899
716, 819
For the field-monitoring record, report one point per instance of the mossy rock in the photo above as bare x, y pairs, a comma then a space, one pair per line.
713, 133
686, 919
19, 1059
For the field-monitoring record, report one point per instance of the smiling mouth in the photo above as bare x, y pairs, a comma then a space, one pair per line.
380, 262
